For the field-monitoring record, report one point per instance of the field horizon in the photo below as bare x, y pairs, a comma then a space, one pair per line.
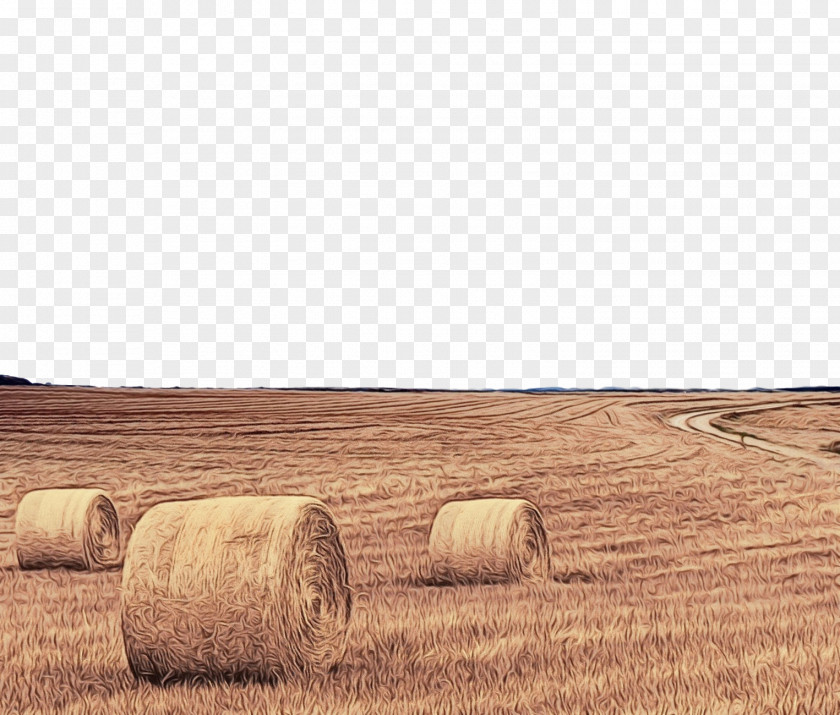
693, 537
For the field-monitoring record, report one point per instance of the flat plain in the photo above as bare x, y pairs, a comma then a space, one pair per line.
691, 573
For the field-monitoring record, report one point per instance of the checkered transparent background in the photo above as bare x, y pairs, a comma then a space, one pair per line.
420, 194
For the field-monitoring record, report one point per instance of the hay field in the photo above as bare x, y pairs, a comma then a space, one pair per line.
814, 427
691, 574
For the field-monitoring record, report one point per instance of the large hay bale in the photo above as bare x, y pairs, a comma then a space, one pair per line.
489, 540
235, 588
76, 528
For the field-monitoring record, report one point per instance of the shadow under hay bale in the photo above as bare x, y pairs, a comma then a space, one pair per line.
235, 588
72, 528
488, 541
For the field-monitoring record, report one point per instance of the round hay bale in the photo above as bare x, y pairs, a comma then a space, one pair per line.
74, 528
235, 588
489, 540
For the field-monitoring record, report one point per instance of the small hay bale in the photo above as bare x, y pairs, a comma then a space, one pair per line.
834, 447
74, 528
235, 588
489, 540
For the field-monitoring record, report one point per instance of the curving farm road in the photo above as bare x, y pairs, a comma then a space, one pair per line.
701, 421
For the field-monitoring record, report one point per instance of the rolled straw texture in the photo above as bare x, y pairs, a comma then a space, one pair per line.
235, 588
489, 540
74, 528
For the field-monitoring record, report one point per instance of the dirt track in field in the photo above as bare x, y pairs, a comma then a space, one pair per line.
716, 423
694, 541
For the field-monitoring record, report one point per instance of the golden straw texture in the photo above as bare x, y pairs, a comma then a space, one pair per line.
489, 540
75, 528
235, 587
